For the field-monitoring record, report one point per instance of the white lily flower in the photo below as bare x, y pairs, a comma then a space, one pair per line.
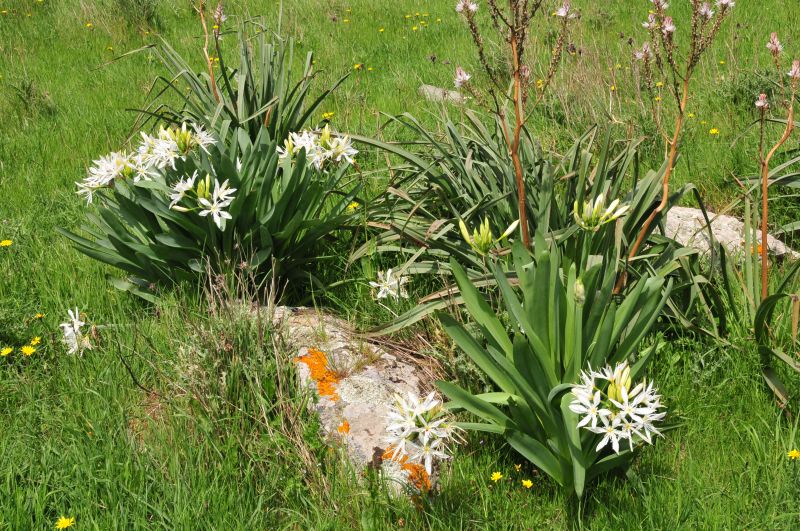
215, 210
390, 284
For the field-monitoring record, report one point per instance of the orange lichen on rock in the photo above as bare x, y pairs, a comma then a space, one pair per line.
317, 363
344, 427
417, 475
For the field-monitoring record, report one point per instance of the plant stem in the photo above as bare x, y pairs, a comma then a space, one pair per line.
519, 121
764, 197
671, 157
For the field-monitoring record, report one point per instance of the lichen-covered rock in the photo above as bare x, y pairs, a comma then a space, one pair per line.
355, 382
688, 227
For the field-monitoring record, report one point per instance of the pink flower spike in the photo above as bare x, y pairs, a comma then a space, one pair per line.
705, 11
794, 73
725, 4
761, 102
461, 78
651, 22
774, 45
668, 26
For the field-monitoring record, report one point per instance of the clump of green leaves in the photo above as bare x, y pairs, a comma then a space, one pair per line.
562, 321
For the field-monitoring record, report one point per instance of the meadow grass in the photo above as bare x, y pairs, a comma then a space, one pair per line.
183, 450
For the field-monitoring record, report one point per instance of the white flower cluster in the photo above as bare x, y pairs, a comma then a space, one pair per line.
209, 201
390, 284
74, 339
420, 430
594, 214
153, 154
620, 413
321, 146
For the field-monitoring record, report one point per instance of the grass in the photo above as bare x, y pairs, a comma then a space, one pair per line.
189, 449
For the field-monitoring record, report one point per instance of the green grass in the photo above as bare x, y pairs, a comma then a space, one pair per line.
78, 437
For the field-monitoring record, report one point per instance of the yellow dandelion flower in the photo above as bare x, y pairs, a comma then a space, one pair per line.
618, 66
613, 88
358, 66
65, 522
408, 16
659, 83
438, 20
496, 476
370, 69
527, 483
35, 341
6, 243
658, 98
5, 351
215, 26
381, 30
690, 115
517, 467
110, 48
793, 454
27, 350
722, 62
89, 25
414, 28
713, 131
327, 115
38, 316
346, 20
353, 206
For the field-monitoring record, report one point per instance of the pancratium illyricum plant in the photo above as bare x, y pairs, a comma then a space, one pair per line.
512, 20
321, 147
661, 56
421, 430
74, 338
594, 214
610, 405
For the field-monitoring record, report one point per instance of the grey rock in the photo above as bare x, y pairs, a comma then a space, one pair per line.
432, 93
688, 227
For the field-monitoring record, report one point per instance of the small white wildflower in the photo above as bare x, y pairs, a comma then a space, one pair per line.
705, 11
390, 284
73, 338
215, 209
466, 5
668, 27
761, 102
794, 73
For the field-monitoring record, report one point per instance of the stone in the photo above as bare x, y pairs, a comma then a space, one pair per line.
355, 382
688, 227
432, 93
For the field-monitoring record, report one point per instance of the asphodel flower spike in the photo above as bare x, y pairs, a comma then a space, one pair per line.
594, 214
482, 240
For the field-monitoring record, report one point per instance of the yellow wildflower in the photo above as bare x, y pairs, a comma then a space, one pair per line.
722, 62
65, 522
370, 69
89, 25
358, 66
381, 30
527, 483
27, 350
713, 131
6, 243
38, 316
414, 28
5, 351
347, 20
327, 115
690, 115
658, 98
353, 206
793, 454
613, 88
35, 341
659, 83
517, 467
496, 476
